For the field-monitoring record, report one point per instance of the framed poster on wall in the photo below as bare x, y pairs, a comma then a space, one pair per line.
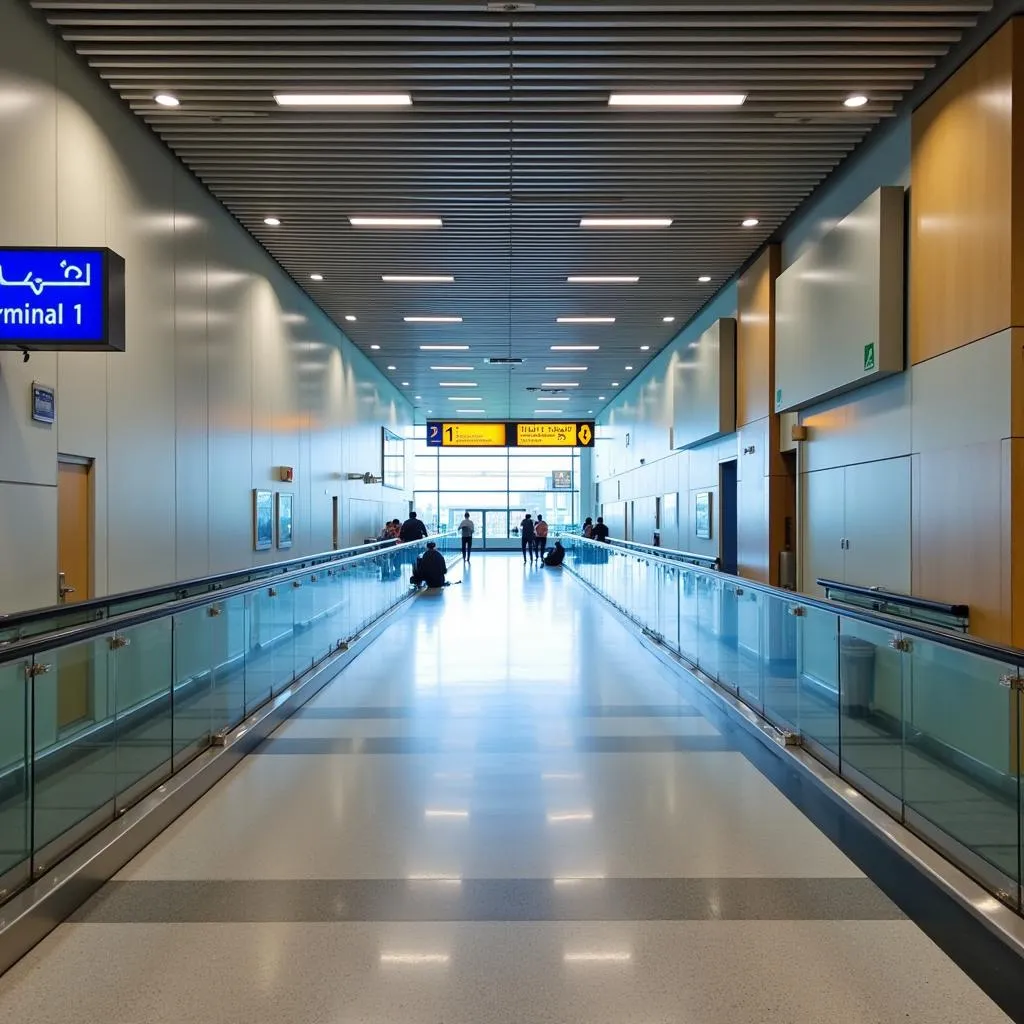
702, 515
262, 520
285, 504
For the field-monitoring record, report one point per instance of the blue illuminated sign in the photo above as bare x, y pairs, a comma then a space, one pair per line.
61, 299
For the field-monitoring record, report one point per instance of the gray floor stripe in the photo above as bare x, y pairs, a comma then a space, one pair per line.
285, 745
618, 899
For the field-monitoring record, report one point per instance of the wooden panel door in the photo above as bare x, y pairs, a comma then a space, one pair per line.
74, 564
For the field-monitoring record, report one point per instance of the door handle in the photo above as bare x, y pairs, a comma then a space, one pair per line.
62, 587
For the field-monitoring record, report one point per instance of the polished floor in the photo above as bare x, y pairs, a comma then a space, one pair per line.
505, 810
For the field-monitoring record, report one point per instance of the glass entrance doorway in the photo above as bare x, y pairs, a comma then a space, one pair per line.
494, 527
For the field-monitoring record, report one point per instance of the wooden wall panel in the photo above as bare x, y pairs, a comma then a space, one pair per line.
755, 338
962, 271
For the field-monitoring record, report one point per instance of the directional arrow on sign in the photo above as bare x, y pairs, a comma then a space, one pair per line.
584, 434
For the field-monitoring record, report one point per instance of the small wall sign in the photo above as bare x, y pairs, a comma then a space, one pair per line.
44, 403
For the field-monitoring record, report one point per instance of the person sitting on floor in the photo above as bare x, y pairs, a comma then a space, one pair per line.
430, 568
555, 557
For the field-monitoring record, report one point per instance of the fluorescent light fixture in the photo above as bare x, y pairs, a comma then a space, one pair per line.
444, 348
405, 383
615, 383
415, 959
316, 277
751, 222
571, 816
668, 319
626, 222
392, 367
396, 222
350, 318
418, 278
272, 222
165, 99
441, 813
557, 384
551, 399
451, 367
470, 412
343, 99
432, 319
645, 348
570, 369
586, 279
629, 367
463, 398
677, 99
376, 348
601, 398
704, 279
457, 384
417, 397
585, 320
575, 348
856, 100
598, 958
590, 412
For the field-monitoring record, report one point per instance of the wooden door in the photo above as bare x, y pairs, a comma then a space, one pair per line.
74, 582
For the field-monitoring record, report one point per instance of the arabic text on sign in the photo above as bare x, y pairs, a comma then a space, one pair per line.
545, 435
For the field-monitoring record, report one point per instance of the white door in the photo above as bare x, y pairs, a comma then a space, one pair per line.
822, 527
878, 524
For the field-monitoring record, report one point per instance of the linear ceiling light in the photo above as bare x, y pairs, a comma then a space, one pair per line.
585, 320
575, 348
677, 99
751, 222
552, 399
856, 100
396, 222
316, 277
626, 222
462, 398
457, 384
350, 317
668, 319
165, 99
704, 278
570, 369
343, 99
610, 279
471, 412
418, 278
272, 222
444, 348
559, 384
432, 319
451, 367
376, 348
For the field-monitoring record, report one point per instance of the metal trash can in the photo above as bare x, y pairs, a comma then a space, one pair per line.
856, 675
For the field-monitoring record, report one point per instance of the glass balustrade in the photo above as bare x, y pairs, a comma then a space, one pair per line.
928, 725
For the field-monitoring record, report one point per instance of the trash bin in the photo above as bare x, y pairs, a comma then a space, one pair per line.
856, 675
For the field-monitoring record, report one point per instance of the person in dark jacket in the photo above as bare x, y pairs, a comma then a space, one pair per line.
555, 557
430, 568
600, 531
527, 536
412, 529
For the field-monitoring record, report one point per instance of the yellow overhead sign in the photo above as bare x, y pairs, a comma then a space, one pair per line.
473, 435
546, 435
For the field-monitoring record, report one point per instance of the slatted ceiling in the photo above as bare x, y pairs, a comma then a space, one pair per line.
511, 141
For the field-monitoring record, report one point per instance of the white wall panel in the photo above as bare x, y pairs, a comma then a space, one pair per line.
839, 302
704, 386
878, 525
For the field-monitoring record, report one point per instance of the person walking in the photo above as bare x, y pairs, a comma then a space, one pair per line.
412, 529
467, 528
540, 532
527, 536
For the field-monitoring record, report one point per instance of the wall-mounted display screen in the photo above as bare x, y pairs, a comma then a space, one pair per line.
69, 299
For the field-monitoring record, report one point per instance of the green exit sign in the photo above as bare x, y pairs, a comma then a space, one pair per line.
869, 357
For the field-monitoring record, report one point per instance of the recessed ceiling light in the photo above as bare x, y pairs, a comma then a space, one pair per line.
668, 319
856, 100
417, 397
316, 277
751, 222
585, 320
552, 399
432, 319
396, 222
444, 348
470, 412
418, 278
376, 348
597, 279
559, 384
350, 318
615, 383
405, 383
626, 222
457, 384
392, 367
451, 367
463, 398
629, 367
601, 398
590, 412
704, 279
343, 99
575, 348
571, 369
645, 348
272, 222
677, 99
165, 99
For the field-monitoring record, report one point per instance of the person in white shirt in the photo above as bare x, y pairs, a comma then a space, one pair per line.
467, 528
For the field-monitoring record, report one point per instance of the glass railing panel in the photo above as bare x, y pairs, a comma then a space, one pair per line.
871, 705
15, 802
74, 746
780, 659
310, 644
689, 630
745, 655
709, 625
962, 756
817, 678
269, 666
141, 668
668, 605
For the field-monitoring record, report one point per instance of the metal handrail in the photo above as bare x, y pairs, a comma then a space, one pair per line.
31, 646
933, 634
14, 619
958, 611
708, 561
